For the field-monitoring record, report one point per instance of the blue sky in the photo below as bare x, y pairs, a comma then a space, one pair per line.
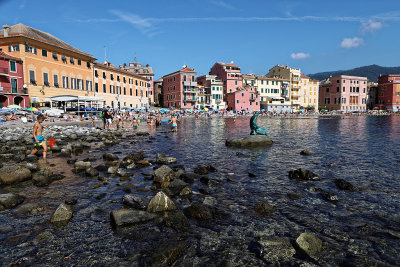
313, 35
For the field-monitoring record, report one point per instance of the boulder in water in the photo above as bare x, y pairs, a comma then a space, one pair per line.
62, 215
10, 174
128, 217
162, 159
310, 244
10, 200
344, 185
303, 175
276, 249
199, 211
163, 174
249, 141
161, 202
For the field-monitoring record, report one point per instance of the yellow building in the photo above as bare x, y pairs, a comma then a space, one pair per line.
309, 92
293, 75
51, 66
120, 88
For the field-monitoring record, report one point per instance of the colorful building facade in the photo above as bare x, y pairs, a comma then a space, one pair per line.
214, 88
389, 92
145, 71
244, 99
309, 92
51, 67
12, 90
230, 76
120, 88
179, 89
293, 75
345, 93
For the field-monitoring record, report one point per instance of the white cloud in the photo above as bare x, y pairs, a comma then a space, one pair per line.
370, 26
352, 42
299, 56
221, 3
142, 24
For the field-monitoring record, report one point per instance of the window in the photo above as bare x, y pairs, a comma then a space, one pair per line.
104, 75
237, 101
46, 79
44, 53
13, 48
65, 82
184, 78
14, 85
73, 83
55, 80
124, 91
71, 60
327, 100
96, 87
79, 62
111, 89
88, 64
55, 56
104, 88
136, 83
130, 91
89, 85
344, 89
118, 78
364, 90
30, 49
13, 66
338, 89
235, 82
112, 77
32, 77
96, 73
192, 78
64, 58
124, 79
327, 90
136, 92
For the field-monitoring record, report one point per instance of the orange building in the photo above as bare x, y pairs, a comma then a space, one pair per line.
120, 88
51, 66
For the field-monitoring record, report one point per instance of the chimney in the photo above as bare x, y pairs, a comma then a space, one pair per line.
6, 30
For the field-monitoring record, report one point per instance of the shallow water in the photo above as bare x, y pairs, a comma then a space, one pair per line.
362, 228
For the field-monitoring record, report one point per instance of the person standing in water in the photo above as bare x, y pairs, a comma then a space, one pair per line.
38, 138
174, 122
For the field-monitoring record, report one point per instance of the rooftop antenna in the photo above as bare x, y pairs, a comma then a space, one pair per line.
105, 54
135, 57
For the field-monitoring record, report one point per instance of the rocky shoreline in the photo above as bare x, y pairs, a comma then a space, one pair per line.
174, 216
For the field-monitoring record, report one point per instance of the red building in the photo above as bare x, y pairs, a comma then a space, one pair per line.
12, 91
179, 89
389, 92
229, 74
244, 99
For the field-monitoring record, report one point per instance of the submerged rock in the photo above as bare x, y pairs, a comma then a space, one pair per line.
303, 175
249, 141
276, 249
177, 221
11, 174
310, 244
305, 152
43, 177
128, 217
199, 211
161, 202
10, 200
344, 185
162, 159
81, 166
91, 172
264, 209
62, 214
109, 157
326, 195
204, 169
134, 202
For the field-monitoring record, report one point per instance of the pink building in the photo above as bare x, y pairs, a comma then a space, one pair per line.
346, 93
179, 89
12, 91
229, 74
244, 99
389, 92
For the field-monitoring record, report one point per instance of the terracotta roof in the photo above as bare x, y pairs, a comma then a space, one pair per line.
304, 76
105, 66
4, 55
228, 64
185, 69
23, 30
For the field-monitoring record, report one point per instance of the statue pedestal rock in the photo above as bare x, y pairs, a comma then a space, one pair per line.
258, 136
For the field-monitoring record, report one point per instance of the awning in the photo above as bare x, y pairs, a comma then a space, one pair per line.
72, 98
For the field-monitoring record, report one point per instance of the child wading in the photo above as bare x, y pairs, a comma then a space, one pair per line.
174, 122
38, 138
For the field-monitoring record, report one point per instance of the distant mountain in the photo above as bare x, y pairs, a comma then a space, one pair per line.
372, 72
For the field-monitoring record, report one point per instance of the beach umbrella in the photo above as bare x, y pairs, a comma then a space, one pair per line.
33, 109
14, 106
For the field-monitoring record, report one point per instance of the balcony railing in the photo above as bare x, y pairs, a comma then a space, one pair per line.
189, 99
10, 90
